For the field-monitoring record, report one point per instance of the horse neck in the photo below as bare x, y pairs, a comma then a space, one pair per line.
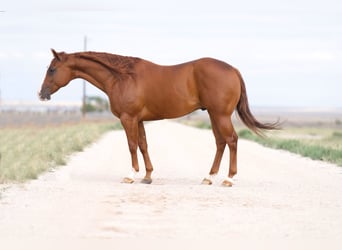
92, 72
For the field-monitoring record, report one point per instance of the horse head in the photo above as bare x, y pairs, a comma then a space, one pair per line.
57, 76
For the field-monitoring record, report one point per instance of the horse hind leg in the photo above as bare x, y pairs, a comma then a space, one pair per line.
232, 144
220, 147
228, 135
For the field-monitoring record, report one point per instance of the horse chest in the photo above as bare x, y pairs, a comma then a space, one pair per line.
125, 102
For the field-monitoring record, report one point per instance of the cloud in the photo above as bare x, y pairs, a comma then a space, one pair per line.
299, 39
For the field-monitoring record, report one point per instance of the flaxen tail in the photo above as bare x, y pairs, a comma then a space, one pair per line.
246, 115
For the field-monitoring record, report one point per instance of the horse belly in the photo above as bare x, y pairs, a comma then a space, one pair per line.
171, 101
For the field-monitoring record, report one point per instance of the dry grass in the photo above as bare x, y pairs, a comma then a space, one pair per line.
27, 152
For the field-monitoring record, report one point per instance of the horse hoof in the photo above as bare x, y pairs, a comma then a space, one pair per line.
206, 181
227, 183
146, 181
128, 180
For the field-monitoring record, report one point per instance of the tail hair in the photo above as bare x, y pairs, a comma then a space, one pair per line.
246, 115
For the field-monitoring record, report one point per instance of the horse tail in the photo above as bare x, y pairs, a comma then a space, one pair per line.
246, 115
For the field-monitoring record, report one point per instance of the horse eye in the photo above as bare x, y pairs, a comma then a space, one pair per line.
51, 70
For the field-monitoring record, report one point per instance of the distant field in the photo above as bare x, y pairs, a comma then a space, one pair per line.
30, 148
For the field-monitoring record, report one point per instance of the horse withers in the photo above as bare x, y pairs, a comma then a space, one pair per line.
139, 90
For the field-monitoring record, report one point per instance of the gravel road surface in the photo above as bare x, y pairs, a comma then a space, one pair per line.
278, 197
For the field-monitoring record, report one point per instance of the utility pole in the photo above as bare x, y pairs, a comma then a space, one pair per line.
84, 98
1, 11
0, 93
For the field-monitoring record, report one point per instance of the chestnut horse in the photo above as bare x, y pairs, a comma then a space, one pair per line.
140, 90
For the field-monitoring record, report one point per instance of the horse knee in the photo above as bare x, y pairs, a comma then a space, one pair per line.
132, 147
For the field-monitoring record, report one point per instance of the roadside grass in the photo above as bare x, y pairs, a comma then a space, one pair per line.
325, 148
27, 152
317, 143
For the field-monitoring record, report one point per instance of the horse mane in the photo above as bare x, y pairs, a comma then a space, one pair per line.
120, 66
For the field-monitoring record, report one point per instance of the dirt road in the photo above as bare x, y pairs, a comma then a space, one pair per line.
277, 195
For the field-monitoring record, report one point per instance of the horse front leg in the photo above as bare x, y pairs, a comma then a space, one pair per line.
130, 125
143, 149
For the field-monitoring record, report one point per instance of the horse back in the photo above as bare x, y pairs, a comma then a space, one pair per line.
173, 91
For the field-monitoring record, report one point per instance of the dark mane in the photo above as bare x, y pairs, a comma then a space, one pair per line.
120, 66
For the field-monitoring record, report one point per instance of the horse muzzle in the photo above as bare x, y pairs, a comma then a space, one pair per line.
45, 94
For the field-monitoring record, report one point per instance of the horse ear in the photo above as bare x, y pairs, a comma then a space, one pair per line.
55, 54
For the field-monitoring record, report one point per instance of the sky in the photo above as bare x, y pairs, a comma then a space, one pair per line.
289, 52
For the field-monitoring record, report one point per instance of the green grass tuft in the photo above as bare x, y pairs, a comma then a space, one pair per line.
315, 150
